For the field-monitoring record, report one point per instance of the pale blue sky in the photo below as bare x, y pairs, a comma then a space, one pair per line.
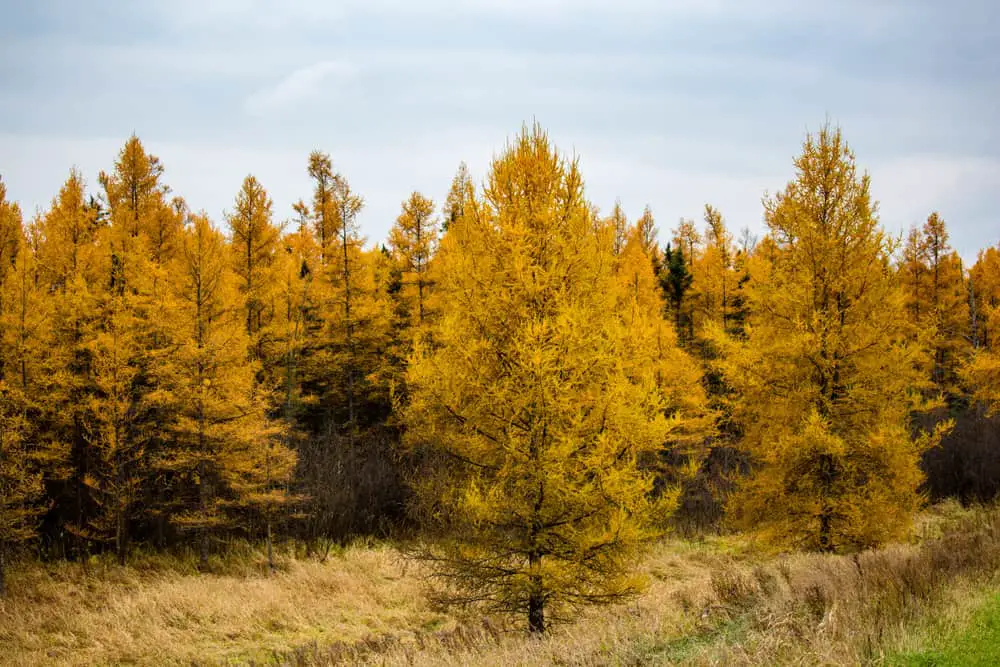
671, 104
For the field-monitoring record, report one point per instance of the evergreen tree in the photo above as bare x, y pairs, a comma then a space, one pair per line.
676, 281
688, 241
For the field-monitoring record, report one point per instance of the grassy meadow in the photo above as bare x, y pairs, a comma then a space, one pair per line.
712, 600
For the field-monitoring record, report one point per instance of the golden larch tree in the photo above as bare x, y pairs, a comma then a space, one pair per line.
461, 193
618, 222
652, 337
133, 189
224, 449
412, 241
827, 376
295, 299
937, 299
138, 248
406, 277
536, 401
114, 423
715, 276
982, 371
356, 312
33, 365
21, 488
254, 245
645, 231
28, 450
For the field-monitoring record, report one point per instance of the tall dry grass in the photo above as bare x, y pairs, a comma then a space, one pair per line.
714, 601
707, 606
161, 610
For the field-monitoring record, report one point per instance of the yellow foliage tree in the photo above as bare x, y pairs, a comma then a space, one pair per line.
406, 276
356, 311
21, 488
618, 222
937, 298
412, 241
11, 232
114, 418
461, 193
652, 338
74, 274
223, 445
28, 450
294, 300
982, 372
538, 399
254, 248
133, 190
645, 233
715, 276
827, 375
137, 250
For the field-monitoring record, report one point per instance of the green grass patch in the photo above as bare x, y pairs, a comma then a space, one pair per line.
680, 649
977, 645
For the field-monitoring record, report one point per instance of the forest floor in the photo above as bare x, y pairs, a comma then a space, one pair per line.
712, 600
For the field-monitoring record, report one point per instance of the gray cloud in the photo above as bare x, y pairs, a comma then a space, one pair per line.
668, 103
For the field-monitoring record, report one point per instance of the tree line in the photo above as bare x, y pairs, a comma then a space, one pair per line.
536, 388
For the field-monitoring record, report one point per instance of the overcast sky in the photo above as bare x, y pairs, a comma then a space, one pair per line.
671, 104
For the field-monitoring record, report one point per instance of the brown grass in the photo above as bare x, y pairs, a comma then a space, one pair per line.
161, 611
716, 601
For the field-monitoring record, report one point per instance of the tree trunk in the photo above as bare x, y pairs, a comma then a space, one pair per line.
122, 541
203, 503
3, 577
829, 471
536, 613
270, 547
203, 550
536, 598
267, 513
825, 543
348, 325
121, 519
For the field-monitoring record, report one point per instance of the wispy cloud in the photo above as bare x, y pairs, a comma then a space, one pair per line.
303, 85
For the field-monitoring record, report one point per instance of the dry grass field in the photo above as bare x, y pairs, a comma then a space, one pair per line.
710, 601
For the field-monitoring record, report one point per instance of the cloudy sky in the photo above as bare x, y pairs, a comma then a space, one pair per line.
667, 103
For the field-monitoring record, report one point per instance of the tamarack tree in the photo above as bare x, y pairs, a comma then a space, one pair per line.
828, 374
537, 400
982, 372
